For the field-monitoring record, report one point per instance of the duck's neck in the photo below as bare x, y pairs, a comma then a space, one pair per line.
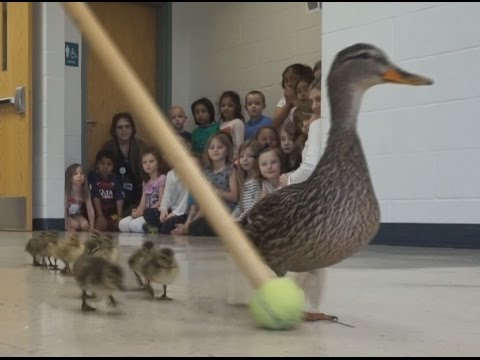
343, 140
345, 103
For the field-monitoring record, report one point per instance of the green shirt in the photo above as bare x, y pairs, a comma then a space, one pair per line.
201, 135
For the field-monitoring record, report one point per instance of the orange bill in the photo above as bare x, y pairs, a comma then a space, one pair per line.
396, 75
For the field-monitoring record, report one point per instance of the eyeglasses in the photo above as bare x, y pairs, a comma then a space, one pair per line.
121, 127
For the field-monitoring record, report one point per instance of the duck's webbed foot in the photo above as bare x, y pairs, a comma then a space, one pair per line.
85, 306
139, 280
310, 316
66, 270
112, 302
164, 296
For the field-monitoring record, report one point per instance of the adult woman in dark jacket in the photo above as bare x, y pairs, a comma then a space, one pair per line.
128, 164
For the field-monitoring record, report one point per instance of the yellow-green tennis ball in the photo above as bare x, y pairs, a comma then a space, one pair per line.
278, 305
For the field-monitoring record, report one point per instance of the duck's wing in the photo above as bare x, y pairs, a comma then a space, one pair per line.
270, 217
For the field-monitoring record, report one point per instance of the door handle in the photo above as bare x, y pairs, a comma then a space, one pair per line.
18, 100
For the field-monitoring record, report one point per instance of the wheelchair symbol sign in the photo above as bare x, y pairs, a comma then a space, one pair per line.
71, 54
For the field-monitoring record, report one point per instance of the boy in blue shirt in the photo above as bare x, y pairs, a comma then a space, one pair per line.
255, 104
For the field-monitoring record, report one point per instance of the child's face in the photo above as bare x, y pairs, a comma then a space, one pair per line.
78, 176
269, 164
316, 98
201, 114
227, 108
290, 79
123, 130
178, 118
254, 105
286, 142
217, 151
105, 167
150, 164
247, 160
302, 91
267, 137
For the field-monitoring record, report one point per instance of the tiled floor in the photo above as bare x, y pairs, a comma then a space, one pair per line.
402, 301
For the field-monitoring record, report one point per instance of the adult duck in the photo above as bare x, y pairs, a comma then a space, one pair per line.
334, 213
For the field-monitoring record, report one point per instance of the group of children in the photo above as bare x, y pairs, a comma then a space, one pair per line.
243, 161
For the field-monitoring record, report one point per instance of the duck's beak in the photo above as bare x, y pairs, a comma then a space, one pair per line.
398, 76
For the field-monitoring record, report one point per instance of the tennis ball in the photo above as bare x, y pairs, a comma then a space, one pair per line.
278, 305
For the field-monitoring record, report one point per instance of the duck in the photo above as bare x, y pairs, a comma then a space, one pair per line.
36, 247
106, 247
97, 275
67, 250
49, 236
335, 212
160, 267
137, 259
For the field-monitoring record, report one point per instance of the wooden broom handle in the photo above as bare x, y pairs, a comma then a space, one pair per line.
157, 125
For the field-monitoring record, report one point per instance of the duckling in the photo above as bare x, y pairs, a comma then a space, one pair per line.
68, 250
91, 246
160, 267
36, 246
49, 236
137, 259
97, 275
106, 248
334, 213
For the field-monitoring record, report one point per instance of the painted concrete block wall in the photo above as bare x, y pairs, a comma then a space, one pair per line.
239, 46
57, 109
422, 143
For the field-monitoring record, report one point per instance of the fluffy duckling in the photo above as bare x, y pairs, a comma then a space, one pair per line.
160, 267
68, 250
106, 248
89, 250
97, 275
137, 259
36, 246
49, 237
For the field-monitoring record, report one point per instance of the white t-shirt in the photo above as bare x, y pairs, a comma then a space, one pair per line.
236, 129
175, 195
311, 154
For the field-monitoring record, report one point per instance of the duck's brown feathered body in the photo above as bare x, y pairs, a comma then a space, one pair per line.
322, 221
335, 212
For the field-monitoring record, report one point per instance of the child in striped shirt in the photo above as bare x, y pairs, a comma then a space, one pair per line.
248, 178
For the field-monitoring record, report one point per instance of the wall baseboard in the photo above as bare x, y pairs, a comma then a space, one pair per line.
49, 224
464, 236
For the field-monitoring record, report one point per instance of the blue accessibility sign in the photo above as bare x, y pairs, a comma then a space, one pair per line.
71, 54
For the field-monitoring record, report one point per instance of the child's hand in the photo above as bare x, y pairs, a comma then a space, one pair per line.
163, 215
290, 96
283, 180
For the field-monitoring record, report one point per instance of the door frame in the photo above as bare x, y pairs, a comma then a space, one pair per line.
163, 65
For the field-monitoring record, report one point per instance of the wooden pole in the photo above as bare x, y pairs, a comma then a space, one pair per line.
157, 125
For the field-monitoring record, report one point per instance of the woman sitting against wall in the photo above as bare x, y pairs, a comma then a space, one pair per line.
128, 163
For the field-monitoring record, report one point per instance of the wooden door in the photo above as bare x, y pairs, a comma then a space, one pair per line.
15, 125
132, 28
